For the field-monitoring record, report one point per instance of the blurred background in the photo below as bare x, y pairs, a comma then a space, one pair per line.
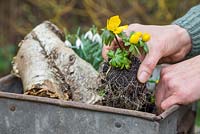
18, 17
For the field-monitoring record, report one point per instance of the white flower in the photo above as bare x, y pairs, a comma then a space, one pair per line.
88, 35
79, 43
97, 38
68, 44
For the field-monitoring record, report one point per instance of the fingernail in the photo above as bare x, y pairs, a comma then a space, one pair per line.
143, 76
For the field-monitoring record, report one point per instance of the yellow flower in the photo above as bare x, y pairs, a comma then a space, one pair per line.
157, 81
138, 33
113, 25
134, 38
146, 37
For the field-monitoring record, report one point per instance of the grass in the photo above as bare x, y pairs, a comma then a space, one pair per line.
197, 122
6, 54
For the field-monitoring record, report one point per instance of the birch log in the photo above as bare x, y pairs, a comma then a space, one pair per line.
48, 68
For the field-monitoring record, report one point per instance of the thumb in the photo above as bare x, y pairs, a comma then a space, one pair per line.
171, 100
105, 50
147, 66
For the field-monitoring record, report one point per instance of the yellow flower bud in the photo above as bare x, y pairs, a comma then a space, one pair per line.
146, 37
157, 81
138, 33
134, 39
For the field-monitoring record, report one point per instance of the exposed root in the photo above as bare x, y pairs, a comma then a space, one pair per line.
123, 90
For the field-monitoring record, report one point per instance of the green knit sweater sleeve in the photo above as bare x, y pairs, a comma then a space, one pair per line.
191, 22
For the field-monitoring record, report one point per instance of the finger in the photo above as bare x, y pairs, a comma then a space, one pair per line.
141, 57
170, 101
173, 58
112, 46
134, 27
117, 43
105, 51
159, 94
147, 66
165, 60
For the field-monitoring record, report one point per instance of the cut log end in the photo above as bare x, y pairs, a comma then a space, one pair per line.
47, 89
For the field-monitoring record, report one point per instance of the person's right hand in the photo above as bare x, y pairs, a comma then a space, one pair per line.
179, 84
168, 44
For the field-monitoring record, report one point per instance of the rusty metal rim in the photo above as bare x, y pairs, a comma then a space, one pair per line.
169, 111
72, 104
7, 77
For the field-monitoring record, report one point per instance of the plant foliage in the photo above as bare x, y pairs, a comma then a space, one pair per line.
87, 45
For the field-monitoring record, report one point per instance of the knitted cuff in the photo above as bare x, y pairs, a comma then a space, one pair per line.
191, 22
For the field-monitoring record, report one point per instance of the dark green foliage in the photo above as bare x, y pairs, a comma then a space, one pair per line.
107, 37
6, 55
87, 48
119, 58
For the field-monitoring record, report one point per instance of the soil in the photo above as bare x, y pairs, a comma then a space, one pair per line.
123, 90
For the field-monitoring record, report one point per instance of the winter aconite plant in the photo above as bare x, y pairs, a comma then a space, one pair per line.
119, 73
134, 44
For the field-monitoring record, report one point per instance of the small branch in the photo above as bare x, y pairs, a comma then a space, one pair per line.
118, 42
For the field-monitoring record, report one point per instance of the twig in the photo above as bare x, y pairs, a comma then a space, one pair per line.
118, 42
108, 70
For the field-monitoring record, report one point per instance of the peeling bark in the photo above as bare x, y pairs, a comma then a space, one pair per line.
48, 68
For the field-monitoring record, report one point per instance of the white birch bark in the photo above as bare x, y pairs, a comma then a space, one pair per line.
48, 68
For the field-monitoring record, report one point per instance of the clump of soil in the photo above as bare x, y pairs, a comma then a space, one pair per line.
123, 90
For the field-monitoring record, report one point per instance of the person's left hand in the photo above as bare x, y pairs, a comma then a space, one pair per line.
179, 84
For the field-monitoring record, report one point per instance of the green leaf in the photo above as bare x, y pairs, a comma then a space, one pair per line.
127, 66
141, 43
118, 51
78, 31
131, 33
114, 63
137, 50
125, 53
151, 81
146, 49
102, 92
127, 62
132, 49
93, 29
124, 37
152, 100
127, 44
119, 59
90, 51
120, 34
107, 37
110, 54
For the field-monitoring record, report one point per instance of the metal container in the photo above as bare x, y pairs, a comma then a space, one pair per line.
23, 114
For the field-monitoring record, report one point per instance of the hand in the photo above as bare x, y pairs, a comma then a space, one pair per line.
179, 84
168, 44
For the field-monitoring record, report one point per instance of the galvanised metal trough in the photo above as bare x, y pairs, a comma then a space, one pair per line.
23, 114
